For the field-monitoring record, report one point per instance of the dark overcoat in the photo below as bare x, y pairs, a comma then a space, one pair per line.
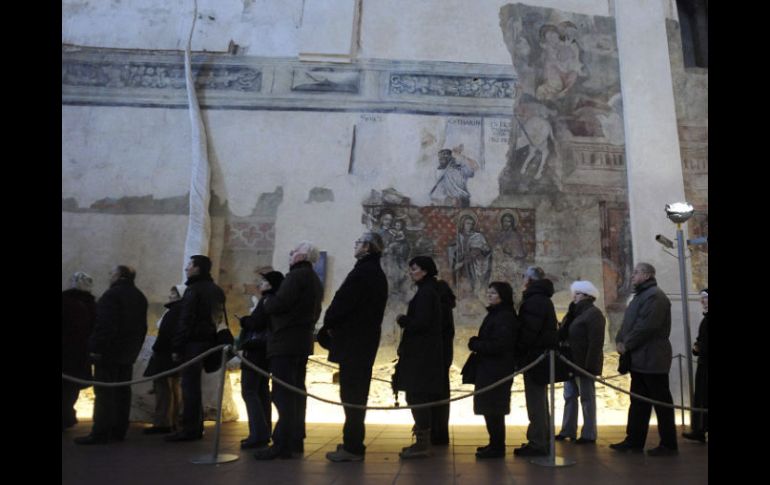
121, 323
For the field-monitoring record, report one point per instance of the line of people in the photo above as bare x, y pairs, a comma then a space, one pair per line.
279, 336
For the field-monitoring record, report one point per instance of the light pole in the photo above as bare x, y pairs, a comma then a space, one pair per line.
679, 213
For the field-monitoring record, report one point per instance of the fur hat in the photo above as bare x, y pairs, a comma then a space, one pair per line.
585, 287
82, 281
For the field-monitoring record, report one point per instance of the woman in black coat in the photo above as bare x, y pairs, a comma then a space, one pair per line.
494, 360
420, 356
254, 386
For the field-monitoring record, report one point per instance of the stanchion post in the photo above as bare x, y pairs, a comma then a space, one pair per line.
681, 387
216, 458
552, 460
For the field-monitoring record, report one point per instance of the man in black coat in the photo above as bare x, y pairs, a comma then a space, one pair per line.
351, 331
202, 305
119, 331
536, 335
293, 311
439, 417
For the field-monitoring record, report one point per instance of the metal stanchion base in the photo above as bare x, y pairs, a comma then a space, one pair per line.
214, 460
557, 461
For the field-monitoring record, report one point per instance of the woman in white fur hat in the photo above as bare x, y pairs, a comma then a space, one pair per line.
583, 331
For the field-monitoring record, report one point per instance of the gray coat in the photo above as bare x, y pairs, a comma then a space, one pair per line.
586, 340
646, 329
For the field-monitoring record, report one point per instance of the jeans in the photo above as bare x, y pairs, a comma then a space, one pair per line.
584, 388
255, 391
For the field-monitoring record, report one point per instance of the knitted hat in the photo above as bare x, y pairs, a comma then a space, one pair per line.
275, 278
585, 287
704, 292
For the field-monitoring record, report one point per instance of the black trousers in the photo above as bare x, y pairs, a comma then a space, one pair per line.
192, 399
69, 396
700, 421
354, 388
439, 417
423, 417
290, 428
652, 386
112, 405
496, 429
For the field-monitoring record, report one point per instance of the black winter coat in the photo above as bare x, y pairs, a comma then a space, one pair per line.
78, 314
538, 323
121, 323
203, 308
448, 299
703, 341
584, 327
494, 347
420, 355
256, 325
354, 316
161, 350
293, 311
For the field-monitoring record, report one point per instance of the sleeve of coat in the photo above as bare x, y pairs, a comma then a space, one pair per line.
427, 307
595, 349
106, 326
531, 321
345, 301
648, 321
500, 339
186, 321
286, 296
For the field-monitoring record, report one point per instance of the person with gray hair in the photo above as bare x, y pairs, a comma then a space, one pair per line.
78, 313
114, 344
644, 335
294, 309
581, 336
351, 332
537, 334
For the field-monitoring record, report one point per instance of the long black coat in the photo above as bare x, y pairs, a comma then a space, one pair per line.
121, 323
78, 314
354, 316
202, 310
448, 299
420, 356
293, 311
494, 347
538, 323
161, 350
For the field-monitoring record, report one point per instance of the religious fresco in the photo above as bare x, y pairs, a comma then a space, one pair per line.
568, 115
471, 246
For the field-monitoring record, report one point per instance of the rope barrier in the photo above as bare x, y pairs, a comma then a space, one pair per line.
387, 408
632, 394
146, 379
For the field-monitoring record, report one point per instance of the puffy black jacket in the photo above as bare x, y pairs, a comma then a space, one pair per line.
448, 299
538, 322
121, 323
354, 316
646, 329
495, 346
203, 305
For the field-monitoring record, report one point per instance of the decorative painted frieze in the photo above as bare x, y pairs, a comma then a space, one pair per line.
464, 86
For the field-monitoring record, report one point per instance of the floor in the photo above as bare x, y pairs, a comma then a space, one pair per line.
147, 460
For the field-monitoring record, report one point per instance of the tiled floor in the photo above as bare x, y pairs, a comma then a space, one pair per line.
147, 460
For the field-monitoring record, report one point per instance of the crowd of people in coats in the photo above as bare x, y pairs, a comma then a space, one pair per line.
279, 334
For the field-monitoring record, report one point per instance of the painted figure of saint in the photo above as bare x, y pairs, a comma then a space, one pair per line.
470, 258
452, 185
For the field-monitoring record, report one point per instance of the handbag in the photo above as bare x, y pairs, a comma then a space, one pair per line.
624, 363
469, 368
